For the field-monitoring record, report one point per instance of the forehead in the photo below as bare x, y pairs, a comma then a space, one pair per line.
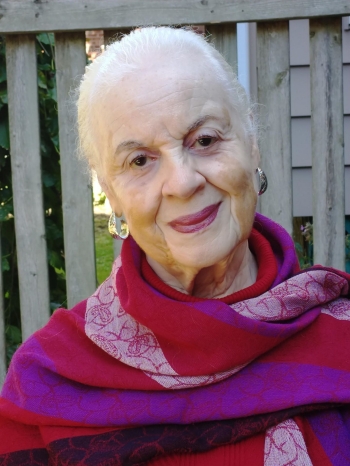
165, 84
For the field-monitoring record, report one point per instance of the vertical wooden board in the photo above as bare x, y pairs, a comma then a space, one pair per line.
2, 326
327, 142
76, 184
224, 38
274, 106
26, 182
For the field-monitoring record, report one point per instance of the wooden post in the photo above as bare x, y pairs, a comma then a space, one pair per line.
224, 38
328, 182
2, 326
26, 182
274, 105
79, 243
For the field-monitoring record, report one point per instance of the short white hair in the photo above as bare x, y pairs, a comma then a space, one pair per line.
127, 55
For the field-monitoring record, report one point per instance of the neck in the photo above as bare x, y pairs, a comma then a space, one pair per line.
235, 272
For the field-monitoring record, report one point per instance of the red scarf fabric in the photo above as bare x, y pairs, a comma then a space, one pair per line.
139, 371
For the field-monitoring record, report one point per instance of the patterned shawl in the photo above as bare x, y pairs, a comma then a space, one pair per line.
131, 374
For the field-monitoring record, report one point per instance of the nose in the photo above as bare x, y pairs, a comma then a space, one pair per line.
181, 177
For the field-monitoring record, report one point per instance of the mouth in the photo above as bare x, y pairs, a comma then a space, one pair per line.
196, 222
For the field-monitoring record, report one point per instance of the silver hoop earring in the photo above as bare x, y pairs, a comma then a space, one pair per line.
117, 227
262, 181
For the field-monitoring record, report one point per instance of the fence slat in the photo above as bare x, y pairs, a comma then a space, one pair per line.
2, 326
274, 101
68, 15
26, 182
224, 38
328, 181
76, 186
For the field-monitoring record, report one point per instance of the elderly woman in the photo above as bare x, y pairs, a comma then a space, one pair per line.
206, 345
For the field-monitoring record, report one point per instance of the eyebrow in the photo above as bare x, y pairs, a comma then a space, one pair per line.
200, 122
131, 144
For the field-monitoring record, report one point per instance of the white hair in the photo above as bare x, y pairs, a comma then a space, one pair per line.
128, 54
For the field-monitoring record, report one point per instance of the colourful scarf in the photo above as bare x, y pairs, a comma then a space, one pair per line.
132, 373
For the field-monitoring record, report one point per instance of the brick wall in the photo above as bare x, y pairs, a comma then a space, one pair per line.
94, 43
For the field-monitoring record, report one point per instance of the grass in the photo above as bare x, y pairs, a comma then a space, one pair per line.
104, 247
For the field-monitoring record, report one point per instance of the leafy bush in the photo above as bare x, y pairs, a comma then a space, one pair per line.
305, 252
51, 178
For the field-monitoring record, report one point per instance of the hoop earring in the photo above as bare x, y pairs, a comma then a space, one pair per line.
262, 181
117, 227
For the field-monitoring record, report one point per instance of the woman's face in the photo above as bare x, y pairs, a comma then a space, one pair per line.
175, 162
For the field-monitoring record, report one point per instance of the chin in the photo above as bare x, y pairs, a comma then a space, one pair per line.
203, 257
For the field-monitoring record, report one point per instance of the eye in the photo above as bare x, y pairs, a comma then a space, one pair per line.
142, 161
205, 141
139, 161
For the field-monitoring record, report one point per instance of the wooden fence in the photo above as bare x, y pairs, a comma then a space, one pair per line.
21, 19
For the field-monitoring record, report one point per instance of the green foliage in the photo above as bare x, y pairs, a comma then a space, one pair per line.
308, 232
305, 251
347, 247
13, 340
104, 248
51, 178
304, 256
100, 199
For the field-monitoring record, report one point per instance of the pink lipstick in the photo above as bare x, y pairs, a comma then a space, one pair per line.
196, 222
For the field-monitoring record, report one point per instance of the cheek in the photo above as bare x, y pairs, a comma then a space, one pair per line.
238, 182
139, 205
137, 211
245, 209
141, 218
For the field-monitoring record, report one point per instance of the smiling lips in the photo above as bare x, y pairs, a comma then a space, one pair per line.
195, 222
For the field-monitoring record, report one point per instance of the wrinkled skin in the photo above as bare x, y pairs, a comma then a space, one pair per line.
170, 145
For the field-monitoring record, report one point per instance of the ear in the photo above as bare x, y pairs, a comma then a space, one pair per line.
255, 153
112, 198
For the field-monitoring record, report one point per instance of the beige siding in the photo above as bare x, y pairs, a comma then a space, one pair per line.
346, 90
346, 39
299, 42
300, 91
302, 192
347, 141
301, 142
